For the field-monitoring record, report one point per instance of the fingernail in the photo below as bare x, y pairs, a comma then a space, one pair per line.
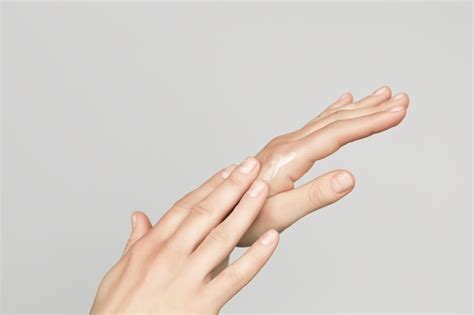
256, 188
396, 108
247, 165
398, 96
380, 90
134, 220
227, 171
343, 96
268, 238
341, 182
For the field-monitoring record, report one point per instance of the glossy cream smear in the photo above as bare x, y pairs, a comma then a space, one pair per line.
277, 163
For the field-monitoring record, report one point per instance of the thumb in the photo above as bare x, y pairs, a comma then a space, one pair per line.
140, 226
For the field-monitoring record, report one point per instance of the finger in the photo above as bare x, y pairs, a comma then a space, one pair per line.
218, 269
222, 239
284, 209
345, 99
209, 212
380, 95
168, 224
329, 139
346, 113
238, 274
140, 226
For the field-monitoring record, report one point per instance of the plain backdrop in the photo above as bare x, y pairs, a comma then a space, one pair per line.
113, 107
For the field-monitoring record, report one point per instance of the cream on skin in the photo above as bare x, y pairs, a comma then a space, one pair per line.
277, 164
264, 207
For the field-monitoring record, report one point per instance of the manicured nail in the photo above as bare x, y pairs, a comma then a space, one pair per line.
342, 182
343, 96
380, 91
247, 165
134, 220
227, 171
398, 96
268, 238
396, 108
256, 188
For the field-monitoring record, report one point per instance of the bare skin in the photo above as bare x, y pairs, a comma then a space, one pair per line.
283, 161
344, 121
167, 269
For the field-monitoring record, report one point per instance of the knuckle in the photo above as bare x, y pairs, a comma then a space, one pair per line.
218, 234
256, 258
236, 181
234, 275
137, 252
178, 210
216, 181
184, 202
201, 209
276, 139
336, 130
316, 194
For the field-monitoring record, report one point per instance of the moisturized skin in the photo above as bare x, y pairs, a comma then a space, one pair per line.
286, 158
184, 257
168, 268
276, 164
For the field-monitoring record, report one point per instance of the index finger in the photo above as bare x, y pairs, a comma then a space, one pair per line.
205, 215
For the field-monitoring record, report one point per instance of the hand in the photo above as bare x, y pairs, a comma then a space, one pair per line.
168, 268
287, 158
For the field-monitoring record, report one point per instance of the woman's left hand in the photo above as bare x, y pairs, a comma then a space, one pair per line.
286, 158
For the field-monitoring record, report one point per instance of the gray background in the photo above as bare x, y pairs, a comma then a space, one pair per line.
109, 108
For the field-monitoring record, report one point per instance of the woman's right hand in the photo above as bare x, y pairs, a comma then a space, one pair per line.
169, 268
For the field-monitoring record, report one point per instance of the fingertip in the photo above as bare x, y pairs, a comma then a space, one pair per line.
350, 97
402, 96
345, 96
266, 187
348, 173
257, 161
277, 238
225, 173
383, 90
345, 99
249, 165
140, 226
140, 219
342, 182
407, 97
258, 188
270, 237
134, 216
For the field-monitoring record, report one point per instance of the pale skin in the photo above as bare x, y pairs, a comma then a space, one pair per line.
180, 265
